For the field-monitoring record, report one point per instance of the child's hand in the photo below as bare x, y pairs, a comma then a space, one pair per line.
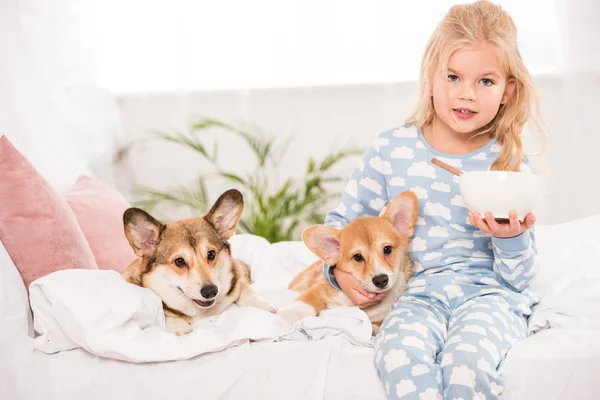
352, 288
508, 229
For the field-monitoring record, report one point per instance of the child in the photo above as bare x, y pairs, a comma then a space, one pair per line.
468, 302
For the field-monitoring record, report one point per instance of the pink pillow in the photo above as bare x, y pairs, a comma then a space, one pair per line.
99, 210
37, 227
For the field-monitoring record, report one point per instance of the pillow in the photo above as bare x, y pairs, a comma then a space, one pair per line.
271, 265
14, 304
568, 251
37, 227
99, 210
568, 281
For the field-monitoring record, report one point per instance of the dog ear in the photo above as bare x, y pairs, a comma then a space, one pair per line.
324, 242
403, 212
142, 231
226, 212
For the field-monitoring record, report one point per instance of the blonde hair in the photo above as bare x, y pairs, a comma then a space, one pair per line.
468, 25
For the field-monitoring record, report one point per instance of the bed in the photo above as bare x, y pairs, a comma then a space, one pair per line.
560, 360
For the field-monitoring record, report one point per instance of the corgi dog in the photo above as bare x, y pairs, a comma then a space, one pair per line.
188, 263
374, 250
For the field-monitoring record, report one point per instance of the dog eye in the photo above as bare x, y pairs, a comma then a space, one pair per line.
358, 257
387, 249
211, 255
180, 262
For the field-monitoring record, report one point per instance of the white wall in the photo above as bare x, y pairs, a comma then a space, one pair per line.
321, 118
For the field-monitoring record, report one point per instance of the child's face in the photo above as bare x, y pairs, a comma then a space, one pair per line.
469, 97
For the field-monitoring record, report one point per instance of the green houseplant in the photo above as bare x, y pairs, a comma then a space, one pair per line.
275, 211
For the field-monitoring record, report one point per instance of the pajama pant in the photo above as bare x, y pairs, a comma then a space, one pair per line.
436, 345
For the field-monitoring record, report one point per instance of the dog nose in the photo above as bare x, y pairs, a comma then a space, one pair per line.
381, 281
209, 291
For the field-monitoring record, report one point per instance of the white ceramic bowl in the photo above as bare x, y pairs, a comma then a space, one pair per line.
502, 191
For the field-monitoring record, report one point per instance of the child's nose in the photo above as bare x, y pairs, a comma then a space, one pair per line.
468, 93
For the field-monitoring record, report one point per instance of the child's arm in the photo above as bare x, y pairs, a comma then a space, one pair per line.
513, 243
365, 195
515, 259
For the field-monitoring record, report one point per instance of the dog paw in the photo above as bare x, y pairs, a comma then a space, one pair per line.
263, 305
296, 312
177, 326
269, 308
252, 300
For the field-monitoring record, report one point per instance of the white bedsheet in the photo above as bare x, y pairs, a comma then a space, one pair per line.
555, 364
293, 370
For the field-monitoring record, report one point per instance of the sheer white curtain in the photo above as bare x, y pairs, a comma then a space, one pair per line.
47, 80
575, 148
28, 115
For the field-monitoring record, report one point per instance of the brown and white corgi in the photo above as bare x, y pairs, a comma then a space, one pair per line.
188, 263
374, 250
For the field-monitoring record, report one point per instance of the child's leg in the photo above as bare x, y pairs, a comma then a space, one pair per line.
406, 348
481, 332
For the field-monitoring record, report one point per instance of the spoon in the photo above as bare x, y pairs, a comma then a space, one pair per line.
447, 167
457, 172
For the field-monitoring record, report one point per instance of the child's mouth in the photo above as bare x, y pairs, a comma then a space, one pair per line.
464, 113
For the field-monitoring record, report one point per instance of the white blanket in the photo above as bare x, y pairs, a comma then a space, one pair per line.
102, 313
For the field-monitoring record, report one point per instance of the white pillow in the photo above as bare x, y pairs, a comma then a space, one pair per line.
14, 302
568, 252
271, 265
568, 282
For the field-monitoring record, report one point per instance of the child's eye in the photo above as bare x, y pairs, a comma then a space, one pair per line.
487, 82
452, 78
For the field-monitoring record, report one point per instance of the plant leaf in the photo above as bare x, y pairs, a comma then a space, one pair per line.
186, 141
274, 210
331, 159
